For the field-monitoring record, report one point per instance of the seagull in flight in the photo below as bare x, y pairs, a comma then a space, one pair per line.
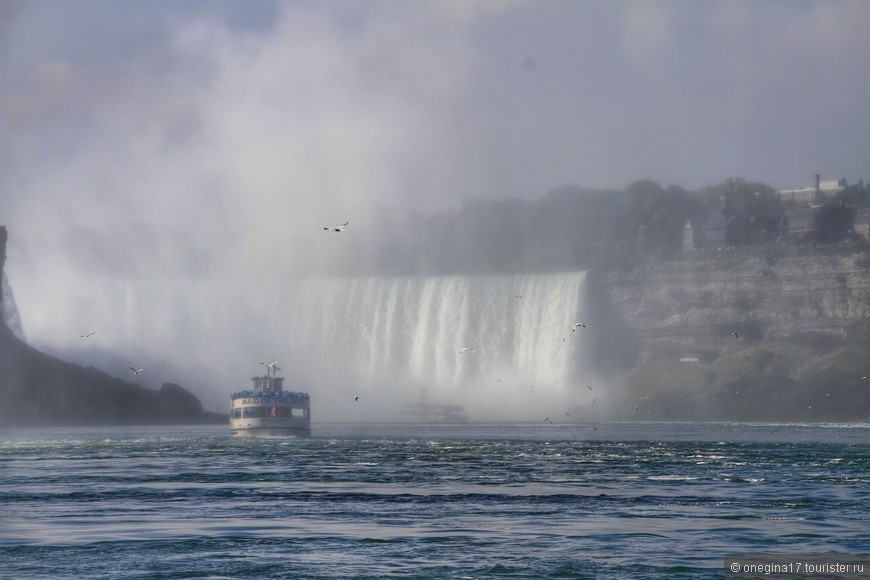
337, 228
272, 366
577, 325
466, 349
135, 371
87, 335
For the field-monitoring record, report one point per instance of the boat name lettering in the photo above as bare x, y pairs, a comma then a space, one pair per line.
263, 401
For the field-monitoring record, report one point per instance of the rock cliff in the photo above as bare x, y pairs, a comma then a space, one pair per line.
764, 333
40, 390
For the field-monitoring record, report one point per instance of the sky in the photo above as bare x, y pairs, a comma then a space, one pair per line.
177, 111
188, 138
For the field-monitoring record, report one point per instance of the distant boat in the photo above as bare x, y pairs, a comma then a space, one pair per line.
425, 412
268, 409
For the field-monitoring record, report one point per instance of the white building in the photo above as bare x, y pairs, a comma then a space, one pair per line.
826, 188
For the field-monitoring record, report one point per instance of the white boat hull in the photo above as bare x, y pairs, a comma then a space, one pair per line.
271, 412
267, 429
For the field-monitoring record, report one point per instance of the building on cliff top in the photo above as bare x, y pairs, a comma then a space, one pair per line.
827, 222
820, 190
824, 222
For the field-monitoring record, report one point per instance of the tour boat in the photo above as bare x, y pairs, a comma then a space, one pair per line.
427, 412
268, 409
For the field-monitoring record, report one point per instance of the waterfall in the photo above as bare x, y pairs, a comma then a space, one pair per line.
337, 338
9, 311
417, 326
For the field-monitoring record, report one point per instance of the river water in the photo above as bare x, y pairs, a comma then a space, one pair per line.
508, 500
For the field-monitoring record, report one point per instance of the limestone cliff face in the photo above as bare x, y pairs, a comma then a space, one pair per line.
38, 390
698, 301
793, 314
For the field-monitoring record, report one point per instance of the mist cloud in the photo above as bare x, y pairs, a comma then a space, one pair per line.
288, 115
248, 139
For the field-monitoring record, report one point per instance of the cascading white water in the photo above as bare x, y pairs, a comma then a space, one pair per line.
381, 338
9, 310
417, 326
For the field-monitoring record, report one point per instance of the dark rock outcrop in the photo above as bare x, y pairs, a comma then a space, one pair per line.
40, 390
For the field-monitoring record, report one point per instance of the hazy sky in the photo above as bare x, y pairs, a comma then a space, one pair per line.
225, 107
243, 126
189, 129
176, 133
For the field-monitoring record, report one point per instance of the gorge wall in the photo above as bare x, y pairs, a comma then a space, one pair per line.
802, 349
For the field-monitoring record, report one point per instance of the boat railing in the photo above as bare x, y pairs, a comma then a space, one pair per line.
269, 395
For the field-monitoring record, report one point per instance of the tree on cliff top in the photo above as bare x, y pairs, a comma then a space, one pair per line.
745, 197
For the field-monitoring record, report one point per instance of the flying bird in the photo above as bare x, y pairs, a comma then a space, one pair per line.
135, 371
577, 325
337, 228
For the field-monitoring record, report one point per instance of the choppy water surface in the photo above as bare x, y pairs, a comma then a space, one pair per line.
478, 501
